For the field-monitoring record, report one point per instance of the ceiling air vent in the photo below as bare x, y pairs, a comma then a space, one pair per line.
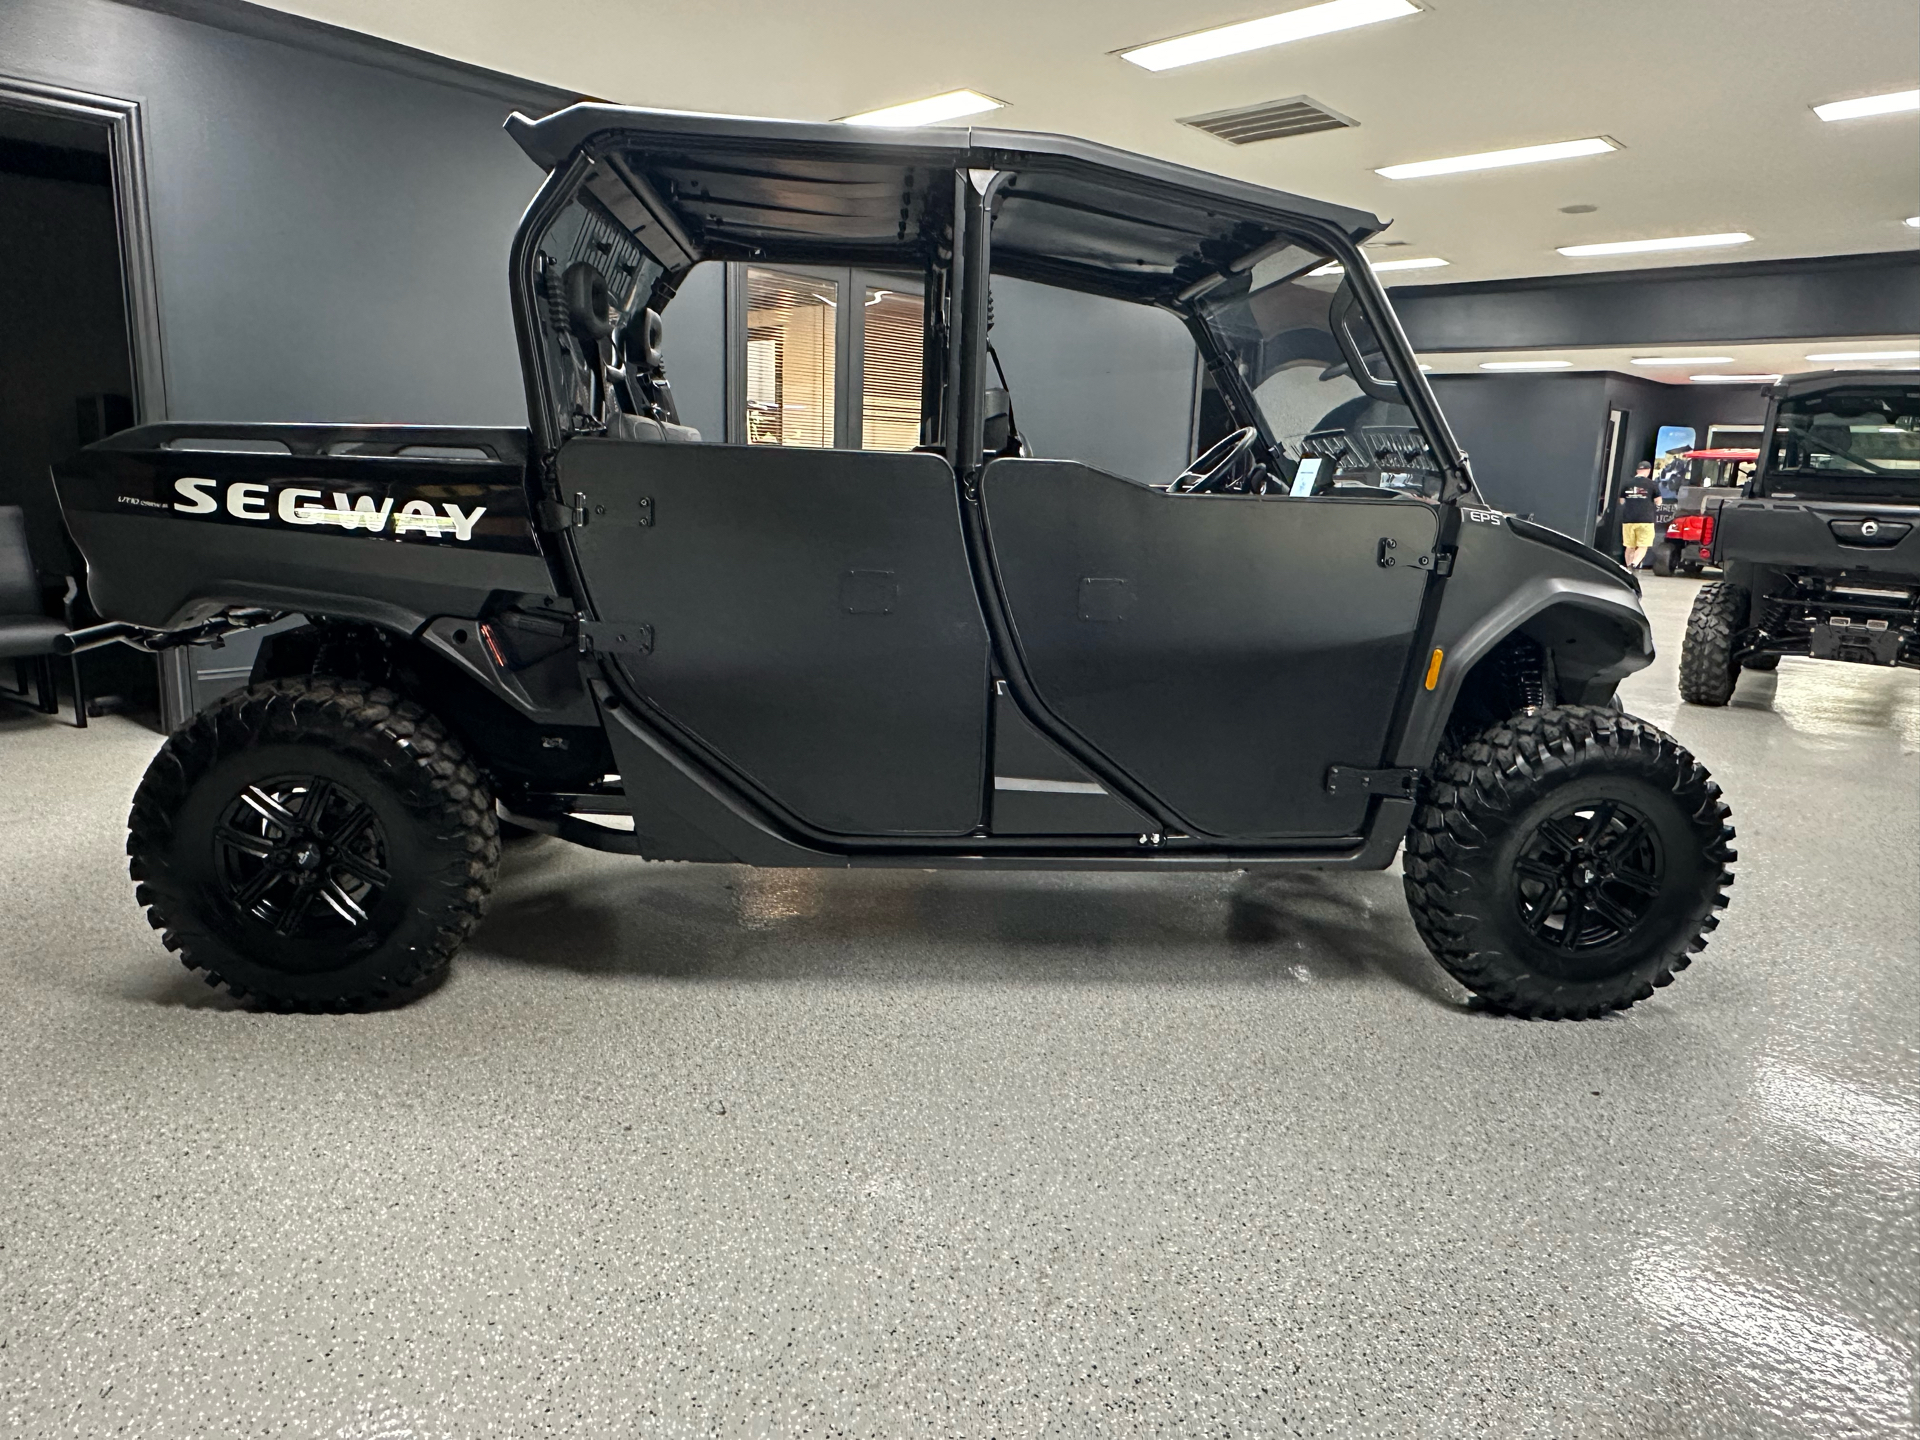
1270, 120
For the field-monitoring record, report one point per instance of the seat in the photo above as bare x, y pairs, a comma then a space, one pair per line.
645, 399
27, 632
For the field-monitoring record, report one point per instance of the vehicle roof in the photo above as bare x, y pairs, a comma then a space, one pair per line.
1811, 381
1076, 212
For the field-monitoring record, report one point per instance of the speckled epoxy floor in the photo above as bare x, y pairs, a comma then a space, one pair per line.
689, 1151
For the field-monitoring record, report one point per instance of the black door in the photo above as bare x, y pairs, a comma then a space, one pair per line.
1225, 651
806, 615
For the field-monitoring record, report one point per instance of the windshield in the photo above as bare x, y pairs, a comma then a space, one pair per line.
1866, 433
1327, 399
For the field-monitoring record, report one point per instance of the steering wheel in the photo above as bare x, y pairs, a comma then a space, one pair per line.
1225, 463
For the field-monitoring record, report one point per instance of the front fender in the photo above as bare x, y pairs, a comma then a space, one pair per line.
1587, 619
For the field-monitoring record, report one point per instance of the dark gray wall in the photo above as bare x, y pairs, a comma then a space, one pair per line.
1535, 441
1760, 300
695, 345
1098, 380
330, 235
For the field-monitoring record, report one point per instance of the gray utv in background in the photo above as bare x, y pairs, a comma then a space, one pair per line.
1314, 646
1821, 555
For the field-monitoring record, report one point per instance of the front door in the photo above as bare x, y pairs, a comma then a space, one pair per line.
1223, 650
807, 617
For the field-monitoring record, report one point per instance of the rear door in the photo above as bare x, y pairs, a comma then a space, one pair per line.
1225, 651
806, 617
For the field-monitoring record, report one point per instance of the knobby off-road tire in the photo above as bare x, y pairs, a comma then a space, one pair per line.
1565, 863
1761, 662
1707, 666
316, 844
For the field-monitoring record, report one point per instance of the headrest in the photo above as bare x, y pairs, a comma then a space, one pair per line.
644, 334
589, 306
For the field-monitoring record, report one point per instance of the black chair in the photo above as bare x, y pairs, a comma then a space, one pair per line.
27, 632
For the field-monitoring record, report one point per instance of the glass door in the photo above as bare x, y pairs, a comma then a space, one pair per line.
825, 358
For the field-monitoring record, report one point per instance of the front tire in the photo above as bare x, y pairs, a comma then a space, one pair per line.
1566, 863
316, 844
1707, 667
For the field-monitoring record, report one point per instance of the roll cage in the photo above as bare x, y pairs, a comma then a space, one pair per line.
955, 206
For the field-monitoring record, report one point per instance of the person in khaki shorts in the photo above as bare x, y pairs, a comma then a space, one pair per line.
1636, 516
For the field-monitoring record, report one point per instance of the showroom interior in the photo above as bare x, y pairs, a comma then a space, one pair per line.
751, 1110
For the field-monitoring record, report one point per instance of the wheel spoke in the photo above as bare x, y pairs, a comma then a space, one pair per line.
314, 804
1602, 818
351, 828
1538, 916
1576, 916
295, 910
1556, 833
1612, 911
348, 908
257, 846
1621, 845
1636, 880
361, 866
270, 809
255, 890
1537, 870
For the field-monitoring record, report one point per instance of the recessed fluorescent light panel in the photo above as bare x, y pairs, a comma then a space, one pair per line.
1682, 360
1272, 30
1671, 242
1843, 356
1733, 379
1428, 262
1499, 159
930, 111
1869, 105
1526, 365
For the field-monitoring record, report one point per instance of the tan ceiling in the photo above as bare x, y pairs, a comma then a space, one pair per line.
1709, 98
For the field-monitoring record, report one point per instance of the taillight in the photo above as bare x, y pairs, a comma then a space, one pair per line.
1690, 527
1706, 529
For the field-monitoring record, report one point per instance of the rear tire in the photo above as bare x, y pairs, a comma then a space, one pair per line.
1665, 557
316, 844
1761, 662
1707, 667
1566, 863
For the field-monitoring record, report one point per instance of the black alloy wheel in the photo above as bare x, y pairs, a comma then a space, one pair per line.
316, 844
1587, 878
1568, 862
303, 855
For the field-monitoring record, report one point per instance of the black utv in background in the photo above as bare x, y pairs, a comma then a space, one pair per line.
1821, 555
1316, 645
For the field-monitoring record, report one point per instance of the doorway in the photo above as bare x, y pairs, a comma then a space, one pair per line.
78, 339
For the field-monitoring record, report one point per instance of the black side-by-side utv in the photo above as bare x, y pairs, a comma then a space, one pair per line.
1312, 645
1821, 552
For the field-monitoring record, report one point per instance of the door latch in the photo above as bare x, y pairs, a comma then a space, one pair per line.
1440, 562
1351, 780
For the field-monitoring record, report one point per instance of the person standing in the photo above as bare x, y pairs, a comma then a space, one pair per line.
1636, 516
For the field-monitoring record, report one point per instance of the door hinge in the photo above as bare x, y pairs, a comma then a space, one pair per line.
1438, 561
615, 638
1351, 780
555, 516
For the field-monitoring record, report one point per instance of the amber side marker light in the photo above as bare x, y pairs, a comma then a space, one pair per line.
1433, 669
